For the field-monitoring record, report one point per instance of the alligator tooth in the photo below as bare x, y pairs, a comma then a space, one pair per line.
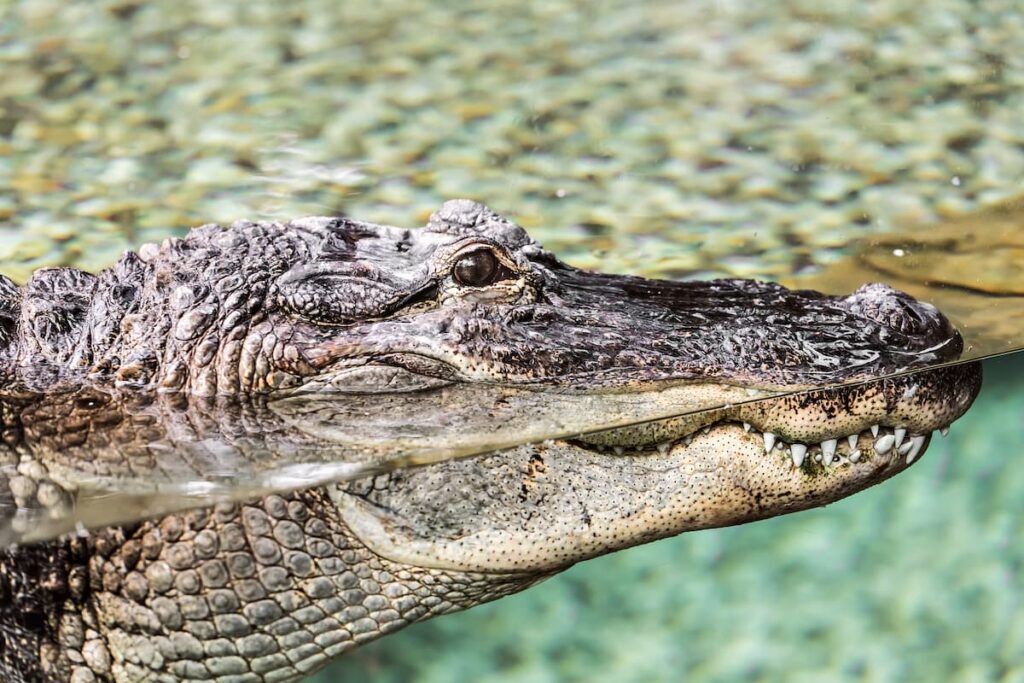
664, 446
797, 451
817, 457
874, 431
780, 446
855, 455
688, 439
915, 447
884, 444
705, 429
746, 426
900, 433
905, 448
828, 450
852, 440
769, 442
944, 431
619, 450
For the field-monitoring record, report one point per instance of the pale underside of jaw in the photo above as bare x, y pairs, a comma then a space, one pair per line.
550, 505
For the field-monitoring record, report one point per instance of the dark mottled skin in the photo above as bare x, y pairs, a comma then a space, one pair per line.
260, 306
271, 589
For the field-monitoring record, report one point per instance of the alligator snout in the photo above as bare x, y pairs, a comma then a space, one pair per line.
901, 312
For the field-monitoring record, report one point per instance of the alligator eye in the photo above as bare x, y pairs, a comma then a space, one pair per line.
477, 269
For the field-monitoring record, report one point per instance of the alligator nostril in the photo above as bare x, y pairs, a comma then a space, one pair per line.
898, 311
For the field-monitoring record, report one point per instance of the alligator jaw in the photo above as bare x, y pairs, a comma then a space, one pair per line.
542, 508
555, 504
832, 451
918, 404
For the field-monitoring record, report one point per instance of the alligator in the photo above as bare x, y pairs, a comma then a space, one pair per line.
814, 397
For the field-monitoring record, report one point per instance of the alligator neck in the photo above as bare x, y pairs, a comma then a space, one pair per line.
54, 327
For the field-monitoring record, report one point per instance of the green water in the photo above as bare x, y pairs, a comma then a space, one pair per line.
666, 138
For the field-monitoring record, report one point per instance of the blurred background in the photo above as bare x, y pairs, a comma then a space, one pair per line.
673, 139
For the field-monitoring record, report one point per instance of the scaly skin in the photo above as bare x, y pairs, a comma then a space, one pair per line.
266, 591
203, 341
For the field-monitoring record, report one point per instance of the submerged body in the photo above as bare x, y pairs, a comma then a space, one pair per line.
271, 589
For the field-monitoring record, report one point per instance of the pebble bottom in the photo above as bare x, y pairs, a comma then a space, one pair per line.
660, 138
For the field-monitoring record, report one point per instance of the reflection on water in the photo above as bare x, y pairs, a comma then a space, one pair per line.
96, 456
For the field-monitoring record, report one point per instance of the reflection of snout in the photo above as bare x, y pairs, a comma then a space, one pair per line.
899, 311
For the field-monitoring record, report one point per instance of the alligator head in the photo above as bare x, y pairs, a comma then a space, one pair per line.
335, 306
473, 299
811, 398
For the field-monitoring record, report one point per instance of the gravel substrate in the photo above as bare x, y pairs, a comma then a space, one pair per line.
667, 137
